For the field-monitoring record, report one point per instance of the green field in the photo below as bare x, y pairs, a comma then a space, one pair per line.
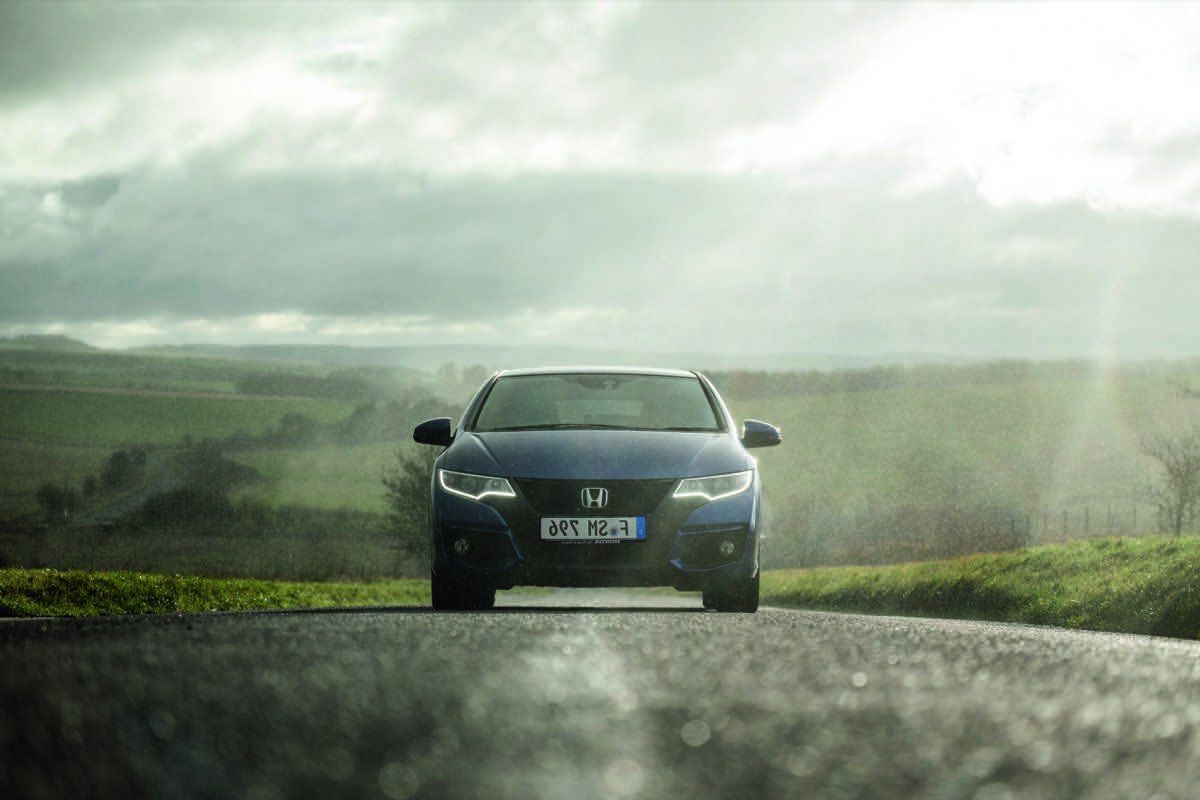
1059, 457
113, 420
1041, 443
322, 554
24, 466
45, 592
119, 370
62, 413
937, 464
1138, 585
324, 477
1038, 447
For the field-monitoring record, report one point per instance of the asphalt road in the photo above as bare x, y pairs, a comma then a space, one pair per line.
645, 700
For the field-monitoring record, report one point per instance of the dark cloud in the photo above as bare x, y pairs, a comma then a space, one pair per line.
63, 47
90, 192
842, 266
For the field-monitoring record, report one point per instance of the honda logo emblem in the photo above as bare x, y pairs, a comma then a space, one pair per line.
594, 497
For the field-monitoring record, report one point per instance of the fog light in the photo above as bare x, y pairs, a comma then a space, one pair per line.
461, 546
726, 548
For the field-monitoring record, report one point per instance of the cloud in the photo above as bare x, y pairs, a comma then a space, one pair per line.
719, 261
1043, 104
842, 178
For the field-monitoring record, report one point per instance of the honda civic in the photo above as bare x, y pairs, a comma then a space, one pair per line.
596, 477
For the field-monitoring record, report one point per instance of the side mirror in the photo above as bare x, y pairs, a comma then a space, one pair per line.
760, 434
434, 431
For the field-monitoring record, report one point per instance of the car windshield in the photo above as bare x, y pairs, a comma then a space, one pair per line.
597, 400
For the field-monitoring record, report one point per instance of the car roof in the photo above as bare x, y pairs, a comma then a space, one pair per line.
675, 373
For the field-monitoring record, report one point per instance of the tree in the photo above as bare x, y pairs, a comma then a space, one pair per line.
296, 429
188, 503
56, 500
206, 467
119, 471
1178, 493
407, 485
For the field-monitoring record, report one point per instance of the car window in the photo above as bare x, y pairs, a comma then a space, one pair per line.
656, 402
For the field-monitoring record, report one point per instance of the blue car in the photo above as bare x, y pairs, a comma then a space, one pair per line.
595, 477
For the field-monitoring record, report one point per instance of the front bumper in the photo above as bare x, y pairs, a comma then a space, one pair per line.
503, 547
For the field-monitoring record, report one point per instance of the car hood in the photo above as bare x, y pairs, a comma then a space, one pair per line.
584, 454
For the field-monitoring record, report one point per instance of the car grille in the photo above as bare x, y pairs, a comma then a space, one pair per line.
625, 497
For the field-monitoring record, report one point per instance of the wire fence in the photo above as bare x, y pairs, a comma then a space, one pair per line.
1094, 519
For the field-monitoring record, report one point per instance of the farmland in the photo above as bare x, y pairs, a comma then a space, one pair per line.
902, 464
324, 477
63, 412
1058, 455
303, 468
1039, 447
84, 367
124, 417
1047, 442
25, 465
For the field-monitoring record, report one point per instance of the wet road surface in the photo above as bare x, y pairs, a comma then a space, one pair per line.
556, 695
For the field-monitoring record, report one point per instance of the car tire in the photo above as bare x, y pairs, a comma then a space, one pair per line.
739, 597
451, 595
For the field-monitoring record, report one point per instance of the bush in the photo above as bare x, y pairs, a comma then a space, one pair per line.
120, 471
407, 485
206, 467
56, 501
187, 504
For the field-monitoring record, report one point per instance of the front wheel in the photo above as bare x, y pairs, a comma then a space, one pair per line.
451, 595
738, 597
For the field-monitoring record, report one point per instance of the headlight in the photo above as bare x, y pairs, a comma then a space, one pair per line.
475, 487
715, 487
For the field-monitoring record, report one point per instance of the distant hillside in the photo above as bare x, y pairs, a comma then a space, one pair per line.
51, 342
430, 357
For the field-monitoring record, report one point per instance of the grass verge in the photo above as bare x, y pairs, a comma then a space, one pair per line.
1148, 585
47, 592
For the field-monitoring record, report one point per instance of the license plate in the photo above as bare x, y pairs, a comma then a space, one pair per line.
593, 529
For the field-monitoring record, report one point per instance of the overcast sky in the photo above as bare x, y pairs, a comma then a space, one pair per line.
986, 180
